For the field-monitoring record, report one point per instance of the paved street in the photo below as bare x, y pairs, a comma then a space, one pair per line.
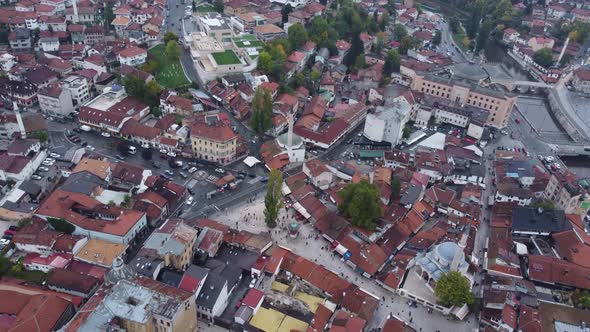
447, 44
249, 216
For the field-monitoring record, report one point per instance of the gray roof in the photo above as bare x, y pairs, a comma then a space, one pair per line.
527, 219
82, 182
164, 243
170, 277
244, 312
238, 257
197, 272
210, 291
22, 207
145, 265
520, 167
30, 188
411, 195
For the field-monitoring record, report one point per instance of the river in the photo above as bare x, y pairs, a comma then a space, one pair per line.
496, 53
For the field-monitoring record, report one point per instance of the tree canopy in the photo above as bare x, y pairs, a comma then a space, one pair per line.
297, 36
544, 57
261, 118
452, 289
61, 225
360, 203
170, 36
273, 199
172, 50
392, 62
148, 93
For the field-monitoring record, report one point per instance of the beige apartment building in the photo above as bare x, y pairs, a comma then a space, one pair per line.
565, 193
213, 140
497, 103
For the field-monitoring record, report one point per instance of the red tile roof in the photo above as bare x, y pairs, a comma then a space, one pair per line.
72, 281
132, 52
40, 312
253, 298
217, 131
556, 271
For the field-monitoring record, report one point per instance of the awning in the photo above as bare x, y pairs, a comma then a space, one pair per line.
371, 154
251, 161
299, 208
461, 312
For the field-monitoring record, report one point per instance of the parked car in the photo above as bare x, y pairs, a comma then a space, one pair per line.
252, 283
169, 172
13, 228
47, 163
192, 170
171, 154
183, 174
36, 177
90, 147
54, 155
105, 134
9, 232
190, 200
220, 170
77, 130
43, 169
120, 157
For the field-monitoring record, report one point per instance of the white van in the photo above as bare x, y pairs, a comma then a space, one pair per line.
132, 149
85, 128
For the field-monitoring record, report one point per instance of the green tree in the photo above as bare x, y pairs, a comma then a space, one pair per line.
581, 299
476, 14
431, 121
399, 32
406, 132
127, 201
453, 289
42, 136
437, 38
135, 86
395, 186
218, 6
151, 66
264, 62
24, 222
360, 62
406, 44
355, 50
273, 199
322, 33
108, 15
384, 21
392, 62
297, 36
360, 203
156, 111
170, 36
544, 57
261, 118
483, 36
61, 225
544, 204
172, 50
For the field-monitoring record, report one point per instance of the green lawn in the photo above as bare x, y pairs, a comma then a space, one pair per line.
458, 38
205, 9
169, 74
252, 42
226, 58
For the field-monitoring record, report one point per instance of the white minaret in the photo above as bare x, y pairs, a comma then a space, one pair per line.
75, 8
290, 132
567, 41
458, 257
19, 120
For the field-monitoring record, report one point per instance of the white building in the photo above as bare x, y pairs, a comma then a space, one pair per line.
7, 61
78, 88
387, 123
132, 56
56, 101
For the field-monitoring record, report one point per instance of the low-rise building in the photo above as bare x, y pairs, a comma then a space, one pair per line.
213, 140
132, 56
173, 242
55, 101
387, 124
78, 88
268, 32
581, 80
20, 39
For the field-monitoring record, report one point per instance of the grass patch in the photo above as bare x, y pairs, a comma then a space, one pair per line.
170, 74
247, 42
205, 9
226, 58
458, 38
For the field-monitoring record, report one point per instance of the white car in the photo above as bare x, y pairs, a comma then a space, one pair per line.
171, 154
192, 170
220, 170
36, 177
55, 155
43, 169
47, 163
5, 241
252, 283
145, 146
190, 200
90, 147
105, 134
49, 159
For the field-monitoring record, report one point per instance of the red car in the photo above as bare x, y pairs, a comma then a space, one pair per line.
9, 232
